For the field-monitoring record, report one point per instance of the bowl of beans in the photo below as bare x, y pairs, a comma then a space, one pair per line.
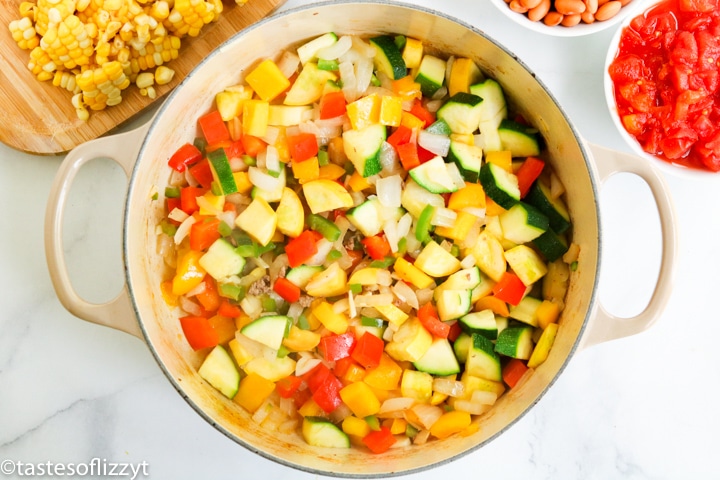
564, 18
661, 84
361, 239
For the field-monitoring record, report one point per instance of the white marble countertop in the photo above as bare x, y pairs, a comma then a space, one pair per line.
644, 407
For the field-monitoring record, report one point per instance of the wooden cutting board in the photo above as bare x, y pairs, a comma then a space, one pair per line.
37, 117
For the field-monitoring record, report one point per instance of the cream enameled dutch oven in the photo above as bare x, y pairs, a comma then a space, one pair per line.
141, 311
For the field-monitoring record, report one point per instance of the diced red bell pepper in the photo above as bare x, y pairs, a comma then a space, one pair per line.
252, 145
379, 441
334, 347
327, 394
213, 128
188, 199
509, 288
332, 105
455, 331
230, 310
429, 319
376, 246
287, 290
368, 350
172, 204
198, 332
419, 110
528, 172
408, 154
204, 233
288, 386
209, 298
513, 371
202, 173
302, 146
301, 248
400, 136
342, 365
185, 156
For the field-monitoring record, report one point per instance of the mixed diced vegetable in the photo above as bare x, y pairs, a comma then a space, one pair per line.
365, 243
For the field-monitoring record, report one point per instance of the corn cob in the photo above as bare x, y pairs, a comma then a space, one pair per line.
41, 65
102, 86
67, 43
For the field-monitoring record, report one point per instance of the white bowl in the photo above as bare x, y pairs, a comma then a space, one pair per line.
578, 30
634, 10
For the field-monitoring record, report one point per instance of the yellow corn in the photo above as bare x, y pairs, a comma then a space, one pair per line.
24, 34
98, 47
189, 16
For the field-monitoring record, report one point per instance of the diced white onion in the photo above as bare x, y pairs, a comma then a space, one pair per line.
556, 186
389, 160
183, 230
389, 190
427, 414
271, 135
390, 229
189, 306
347, 74
237, 164
272, 159
443, 217
295, 310
362, 47
424, 295
404, 224
323, 248
437, 99
435, 143
335, 50
305, 364
263, 411
363, 74
468, 261
421, 437
288, 63
263, 180
471, 407
252, 306
200, 288
369, 300
341, 306
396, 404
449, 387
484, 397
351, 304
405, 293
178, 215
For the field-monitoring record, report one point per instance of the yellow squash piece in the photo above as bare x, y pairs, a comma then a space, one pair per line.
544, 344
259, 220
436, 261
360, 398
290, 214
364, 111
253, 391
189, 273
230, 101
299, 340
472, 196
450, 423
392, 314
326, 195
267, 80
256, 114
410, 342
410, 273
335, 322
330, 282
463, 73
460, 229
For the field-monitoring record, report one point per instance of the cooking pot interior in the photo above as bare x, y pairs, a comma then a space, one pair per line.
175, 124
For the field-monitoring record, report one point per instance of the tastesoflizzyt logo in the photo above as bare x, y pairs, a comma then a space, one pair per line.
97, 467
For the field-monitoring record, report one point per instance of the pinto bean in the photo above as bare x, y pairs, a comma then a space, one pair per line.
553, 19
530, 4
608, 10
569, 7
538, 13
571, 20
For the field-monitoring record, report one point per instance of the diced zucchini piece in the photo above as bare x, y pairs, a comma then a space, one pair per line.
222, 260
388, 58
520, 139
465, 279
434, 177
325, 195
436, 261
468, 159
552, 245
308, 51
526, 264
482, 322
271, 368
218, 369
309, 85
431, 74
461, 346
494, 103
415, 198
523, 223
302, 274
439, 359
321, 432
221, 171
554, 208
515, 342
482, 360
500, 185
526, 310
363, 148
452, 304
461, 112
268, 330
489, 255
367, 217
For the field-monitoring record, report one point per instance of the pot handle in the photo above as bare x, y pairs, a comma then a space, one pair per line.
606, 326
117, 313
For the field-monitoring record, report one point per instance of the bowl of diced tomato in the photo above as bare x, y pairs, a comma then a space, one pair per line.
360, 239
661, 84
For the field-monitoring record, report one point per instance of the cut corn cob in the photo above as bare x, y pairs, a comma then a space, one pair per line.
189, 16
24, 34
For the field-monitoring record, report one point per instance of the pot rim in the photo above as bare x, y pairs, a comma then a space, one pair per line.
589, 165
